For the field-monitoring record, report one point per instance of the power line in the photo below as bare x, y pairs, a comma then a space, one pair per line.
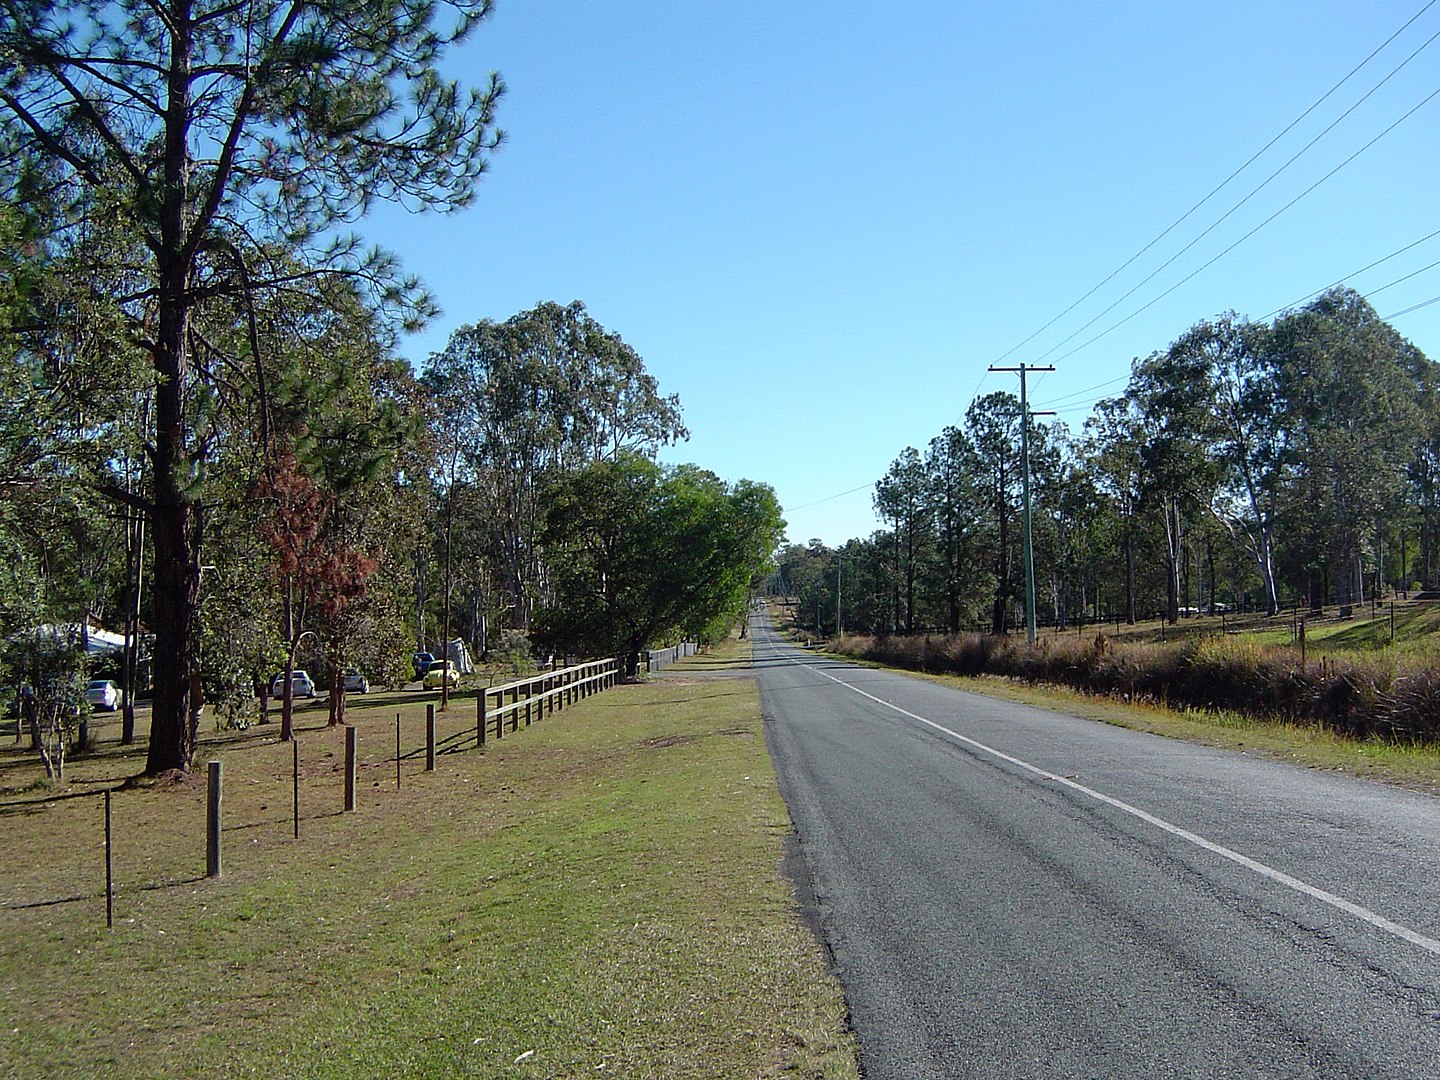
1354, 273
828, 498
1407, 277
1205, 266
1063, 405
1255, 191
1414, 307
1224, 183
1081, 393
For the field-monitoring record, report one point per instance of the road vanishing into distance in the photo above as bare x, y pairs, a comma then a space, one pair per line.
1009, 892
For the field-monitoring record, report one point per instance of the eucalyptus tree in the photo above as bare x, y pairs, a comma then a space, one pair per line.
1172, 394
523, 401
1349, 385
214, 131
1069, 520
1113, 439
992, 423
1251, 439
953, 493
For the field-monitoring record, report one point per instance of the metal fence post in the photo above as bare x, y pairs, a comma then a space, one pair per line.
109, 875
212, 823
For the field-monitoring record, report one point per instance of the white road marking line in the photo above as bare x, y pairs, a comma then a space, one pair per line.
1373, 918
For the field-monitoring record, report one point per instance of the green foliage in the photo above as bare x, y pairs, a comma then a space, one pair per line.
517, 404
1245, 463
642, 555
202, 160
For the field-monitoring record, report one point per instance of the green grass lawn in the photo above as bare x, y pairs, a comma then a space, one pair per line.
595, 895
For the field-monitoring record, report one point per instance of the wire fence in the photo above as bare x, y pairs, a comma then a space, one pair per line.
113, 837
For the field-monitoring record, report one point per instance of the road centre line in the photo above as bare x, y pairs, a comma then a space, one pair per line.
1279, 876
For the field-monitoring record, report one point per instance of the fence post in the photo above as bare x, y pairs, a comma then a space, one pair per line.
295, 775
109, 876
397, 751
350, 766
429, 737
480, 716
212, 823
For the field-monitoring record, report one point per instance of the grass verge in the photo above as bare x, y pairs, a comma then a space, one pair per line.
595, 895
1414, 767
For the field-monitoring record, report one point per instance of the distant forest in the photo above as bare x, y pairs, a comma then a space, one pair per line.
1249, 465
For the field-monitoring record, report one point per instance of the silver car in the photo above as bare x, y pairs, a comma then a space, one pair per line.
103, 695
301, 685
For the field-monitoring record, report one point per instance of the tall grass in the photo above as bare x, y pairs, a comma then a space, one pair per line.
1360, 696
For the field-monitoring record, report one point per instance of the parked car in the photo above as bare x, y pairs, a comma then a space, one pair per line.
301, 685
354, 682
441, 672
422, 662
103, 695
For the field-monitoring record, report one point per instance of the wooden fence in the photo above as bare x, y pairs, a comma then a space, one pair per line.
535, 697
659, 659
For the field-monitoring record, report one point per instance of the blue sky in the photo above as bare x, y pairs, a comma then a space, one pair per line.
819, 223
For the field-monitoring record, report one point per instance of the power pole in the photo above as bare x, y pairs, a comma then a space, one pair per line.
1025, 415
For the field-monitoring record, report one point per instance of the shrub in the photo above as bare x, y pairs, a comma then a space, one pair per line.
1221, 673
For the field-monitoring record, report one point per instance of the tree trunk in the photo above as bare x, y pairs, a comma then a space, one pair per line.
1174, 550
337, 690
174, 514
134, 581
292, 642
1129, 576
1002, 565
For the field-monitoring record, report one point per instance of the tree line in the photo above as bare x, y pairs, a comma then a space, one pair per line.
206, 433
1254, 465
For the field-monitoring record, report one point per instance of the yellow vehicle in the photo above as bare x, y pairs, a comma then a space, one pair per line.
441, 672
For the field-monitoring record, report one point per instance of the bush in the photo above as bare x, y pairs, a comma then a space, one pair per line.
1223, 673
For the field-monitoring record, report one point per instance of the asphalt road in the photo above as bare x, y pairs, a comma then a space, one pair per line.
1009, 892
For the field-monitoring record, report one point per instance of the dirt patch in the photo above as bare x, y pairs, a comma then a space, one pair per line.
170, 778
669, 740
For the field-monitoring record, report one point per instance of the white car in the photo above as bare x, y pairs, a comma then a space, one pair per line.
354, 682
103, 695
301, 685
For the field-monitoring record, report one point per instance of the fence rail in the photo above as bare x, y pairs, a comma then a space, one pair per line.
659, 659
539, 695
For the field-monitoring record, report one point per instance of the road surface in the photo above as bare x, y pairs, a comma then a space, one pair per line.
1009, 892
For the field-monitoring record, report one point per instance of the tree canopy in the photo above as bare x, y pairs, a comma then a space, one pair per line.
1254, 464
642, 554
220, 144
